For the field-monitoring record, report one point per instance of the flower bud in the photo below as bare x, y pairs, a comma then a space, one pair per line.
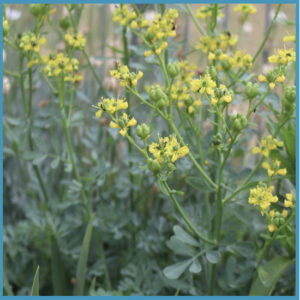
238, 122
36, 9
289, 100
143, 131
251, 90
154, 166
149, 36
173, 70
64, 23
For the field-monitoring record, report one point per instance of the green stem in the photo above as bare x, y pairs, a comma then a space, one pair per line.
23, 93
268, 33
102, 89
199, 168
185, 218
197, 24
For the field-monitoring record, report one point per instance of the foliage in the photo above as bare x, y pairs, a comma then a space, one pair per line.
190, 198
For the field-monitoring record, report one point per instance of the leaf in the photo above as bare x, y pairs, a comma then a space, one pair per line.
54, 163
213, 256
268, 275
178, 247
81, 267
195, 267
174, 271
57, 269
35, 285
6, 286
39, 159
184, 236
245, 249
198, 183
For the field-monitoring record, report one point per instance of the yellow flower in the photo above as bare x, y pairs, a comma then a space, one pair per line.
123, 123
30, 42
283, 57
203, 85
289, 201
31, 63
111, 106
272, 227
274, 168
285, 213
289, 38
267, 144
168, 150
245, 8
206, 11
77, 41
127, 78
60, 64
262, 197
123, 15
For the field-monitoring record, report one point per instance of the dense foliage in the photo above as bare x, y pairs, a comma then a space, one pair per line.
138, 171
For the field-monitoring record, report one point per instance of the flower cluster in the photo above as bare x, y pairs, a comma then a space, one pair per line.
167, 151
111, 106
262, 197
221, 95
283, 57
30, 42
127, 78
123, 15
205, 11
289, 38
267, 144
203, 85
245, 9
59, 64
277, 75
210, 43
290, 200
273, 168
123, 123
77, 41
159, 30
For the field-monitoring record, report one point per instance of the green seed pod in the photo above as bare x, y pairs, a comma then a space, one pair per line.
122, 123
64, 23
218, 93
271, 76
35, 9
6, 30
251, 90
149, 36
225, 65
173, 70
190, 101
154, 166
154, 92
212, 71
238, 122
143, 131
217, 139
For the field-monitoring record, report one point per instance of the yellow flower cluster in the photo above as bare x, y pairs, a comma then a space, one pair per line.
212, 43
240, 59
123, 15
290, 200
283, 57
159, 30
205, 11
289, 38
60, 64
262, 197
180, 89
30, 42
168, 150
245, 9
111, 106
123, 123
221, 95
203, 85
77, 41
271, 78
127, 78
273, 168
266, 145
